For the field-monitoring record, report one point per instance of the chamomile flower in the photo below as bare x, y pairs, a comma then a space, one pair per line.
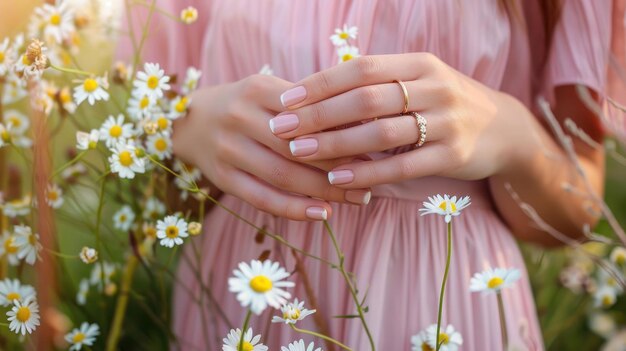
266, 70
123, 219
91, 89
610, 276
11, 290
494, 280
292, 312
57, 22
188, 175
300, 346
125, 162
160, 145
17, 207
419, 342
24, 317
88, 255
7, 56
114, 130
54, 196
449, 339
8, 248
102, 272
27, 243
189, 15
194, 228
260, 284
604, 297
178, 106
83, 291
66, 101
16, 121
140, 106
618, 256
445, 206
14, 88
152, 81
171, 230
602, 324
342, 35
233, 339
191, 80
153, 209
347, 53
85, 335
85, 141
71, 173
33, 62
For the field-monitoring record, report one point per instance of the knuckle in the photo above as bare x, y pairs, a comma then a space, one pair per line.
322, 82
370, 99
429, 58
318, 114
280, 178
407, 168
253, 84
388, 132
367, 66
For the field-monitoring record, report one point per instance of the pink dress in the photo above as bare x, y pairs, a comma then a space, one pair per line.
396, 255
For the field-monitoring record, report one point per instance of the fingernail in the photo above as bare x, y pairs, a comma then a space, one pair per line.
284, 123
317, 213
303, 147
340, 177
359, 197
293, 96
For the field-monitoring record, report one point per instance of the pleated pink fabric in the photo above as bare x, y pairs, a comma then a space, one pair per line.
397, 256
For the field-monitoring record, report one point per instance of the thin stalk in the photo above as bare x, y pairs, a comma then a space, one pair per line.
321, 336
505, 337
245, 327
122, 303
70, 70
443, 283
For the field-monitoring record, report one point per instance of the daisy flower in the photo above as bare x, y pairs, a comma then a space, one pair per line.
7, 56
292, 312
91, 89
153, 209
610, 279
178, 106
171, 230
494, 280
54, 196
103, 271
152, 81
114, 130
162, 121
266, 70
66, 101
191, 80
449, 339
71, 173
88, 255
300, 346
618, 256
140, 106
57, 22
123, 218
33, 62
189, 15
11, 135
85, 335
24, 317
83, 291
188, 175
125, 161
8, 248
28, 244
14, 88
605, 297
160, 145
12, 291
260, 284
342, 35
445, 206
17, 207
419, 342
85, 141
16, 121
602, 324
347, 53
232, 340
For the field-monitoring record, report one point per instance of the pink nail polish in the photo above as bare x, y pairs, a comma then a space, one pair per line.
317, 213
284, 123
303, 147
343, 176
359, 197
293, 96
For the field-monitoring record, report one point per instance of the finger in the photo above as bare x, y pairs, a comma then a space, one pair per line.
430, 159
264, 89
355, 106
361, 71
288, 175
382, 134
271, 200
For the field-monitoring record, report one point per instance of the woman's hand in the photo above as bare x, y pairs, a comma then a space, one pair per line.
470, 135
225, 135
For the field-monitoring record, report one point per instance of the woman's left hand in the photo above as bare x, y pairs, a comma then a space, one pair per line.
472, 130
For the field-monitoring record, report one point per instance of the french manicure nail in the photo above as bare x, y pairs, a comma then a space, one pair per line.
317, 213
359, 197
303, 147
284, 123
293, 96
340, 177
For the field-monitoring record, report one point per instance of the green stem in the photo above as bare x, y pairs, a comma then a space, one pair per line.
73, 161
245, 327
321, 336
505, 338
122, 303
70, 70
443, 283
352, 290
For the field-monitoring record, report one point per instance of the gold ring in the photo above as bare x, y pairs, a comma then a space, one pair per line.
421, 125
406, 96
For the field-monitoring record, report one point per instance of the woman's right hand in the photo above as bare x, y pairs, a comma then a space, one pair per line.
226, 135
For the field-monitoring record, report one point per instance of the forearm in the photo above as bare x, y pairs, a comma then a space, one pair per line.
538, 172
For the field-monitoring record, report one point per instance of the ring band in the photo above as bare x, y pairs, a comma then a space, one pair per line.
421, 125
406, 96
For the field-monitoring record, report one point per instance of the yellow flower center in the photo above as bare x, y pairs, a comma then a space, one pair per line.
23, 314
607, 301
53, 195
8, 245
153, 82
78, 337
144, 102
292, 314
65, 96
610, 281
115, 131
452, 206
126, 159
171, 231
426, 347
343, 35
32, 239
160, 145
189, 15
261, 284
13, 296
346, 57
181, 106
620, 259
163, 123
26, 61
6, 137
55, 19
247, 346
1, 56
444, 338
16, 122
151, 232
495, 282
90, 85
